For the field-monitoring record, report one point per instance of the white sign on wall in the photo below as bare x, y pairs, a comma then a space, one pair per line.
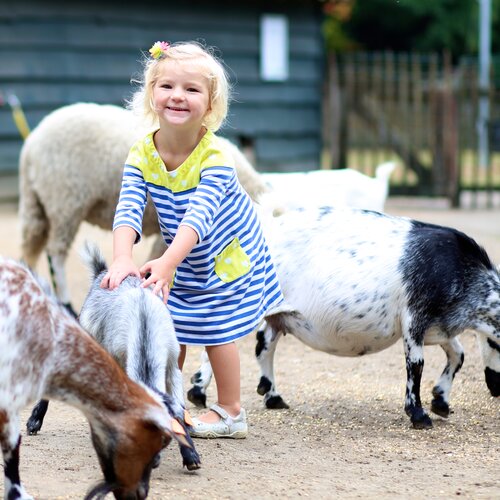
274, 47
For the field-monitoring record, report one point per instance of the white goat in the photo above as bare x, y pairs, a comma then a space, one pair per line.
360, 280
135, 327
70, 171
45, 353
343, 188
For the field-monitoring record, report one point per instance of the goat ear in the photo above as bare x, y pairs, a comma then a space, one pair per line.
179, 433
177, 427
181, 439
160, 418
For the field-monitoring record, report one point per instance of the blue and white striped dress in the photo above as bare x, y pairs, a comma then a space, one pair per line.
227, 284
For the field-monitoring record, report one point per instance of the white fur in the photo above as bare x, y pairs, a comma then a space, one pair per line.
342, 187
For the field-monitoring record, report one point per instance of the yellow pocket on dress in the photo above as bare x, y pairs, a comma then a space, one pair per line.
232, 262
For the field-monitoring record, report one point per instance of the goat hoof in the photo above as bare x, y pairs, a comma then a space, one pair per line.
264, 386
440, 407
276, 403
193, 466
421, 420
191, 460
33, 425
197, 397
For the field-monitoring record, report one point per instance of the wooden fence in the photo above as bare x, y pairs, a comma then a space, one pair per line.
420, 110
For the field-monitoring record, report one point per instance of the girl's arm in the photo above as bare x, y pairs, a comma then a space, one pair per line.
162, 269
123, 265
127, 225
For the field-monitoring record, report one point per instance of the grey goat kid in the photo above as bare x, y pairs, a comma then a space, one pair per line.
135, 327
360, 280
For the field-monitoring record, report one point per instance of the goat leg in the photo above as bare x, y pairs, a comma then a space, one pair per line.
12, 481
190, 458
35, 422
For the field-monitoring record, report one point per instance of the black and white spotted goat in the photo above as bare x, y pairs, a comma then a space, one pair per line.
135, 327
359, 280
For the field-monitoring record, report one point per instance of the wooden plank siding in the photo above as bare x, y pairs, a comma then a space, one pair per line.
54, 53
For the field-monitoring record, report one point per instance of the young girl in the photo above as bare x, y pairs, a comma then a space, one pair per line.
216, 274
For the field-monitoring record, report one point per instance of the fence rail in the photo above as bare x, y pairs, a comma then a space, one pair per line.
420, 109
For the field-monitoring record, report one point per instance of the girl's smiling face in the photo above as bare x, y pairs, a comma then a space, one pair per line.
181, 96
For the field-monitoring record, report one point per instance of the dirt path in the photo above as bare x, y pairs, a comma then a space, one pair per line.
345, 436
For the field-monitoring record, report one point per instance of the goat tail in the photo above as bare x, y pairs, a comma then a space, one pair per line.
93, 258
384, 170
32, 217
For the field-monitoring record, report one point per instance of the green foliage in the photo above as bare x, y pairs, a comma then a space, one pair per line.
409, 25
415, 25
336, 37
495, 31
337, 13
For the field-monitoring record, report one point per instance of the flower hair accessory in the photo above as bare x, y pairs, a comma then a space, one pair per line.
159, 49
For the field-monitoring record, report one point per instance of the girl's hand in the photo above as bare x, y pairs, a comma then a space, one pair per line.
161, 274
118, 271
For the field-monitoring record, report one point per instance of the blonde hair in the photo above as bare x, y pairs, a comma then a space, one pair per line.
210, 67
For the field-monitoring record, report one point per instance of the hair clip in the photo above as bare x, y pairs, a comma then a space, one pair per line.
159, 49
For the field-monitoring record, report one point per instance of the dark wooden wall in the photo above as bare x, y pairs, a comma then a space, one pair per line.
54, 53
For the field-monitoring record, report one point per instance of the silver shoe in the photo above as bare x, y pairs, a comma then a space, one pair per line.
226, 427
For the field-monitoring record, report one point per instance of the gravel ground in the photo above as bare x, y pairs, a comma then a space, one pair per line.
345, 436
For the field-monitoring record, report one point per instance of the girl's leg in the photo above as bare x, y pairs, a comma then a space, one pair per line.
182, 356
225, 361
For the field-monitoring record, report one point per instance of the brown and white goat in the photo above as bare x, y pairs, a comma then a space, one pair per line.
45, 353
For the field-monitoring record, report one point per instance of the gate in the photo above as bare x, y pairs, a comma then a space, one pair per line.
419, 110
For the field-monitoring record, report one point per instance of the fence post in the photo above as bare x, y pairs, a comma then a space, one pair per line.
450, 136
335, 121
